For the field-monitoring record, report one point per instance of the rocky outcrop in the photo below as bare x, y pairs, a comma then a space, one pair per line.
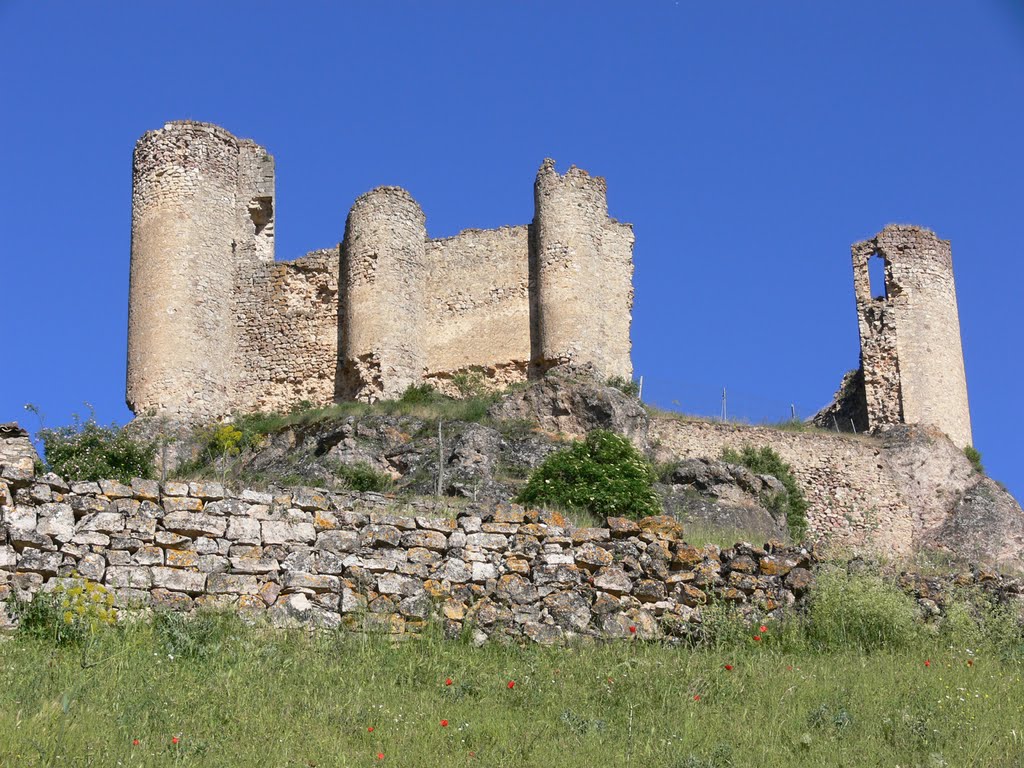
571, 401
727, 497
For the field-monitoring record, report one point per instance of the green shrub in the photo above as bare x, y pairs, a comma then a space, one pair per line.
604, 475
624, 385
974, 456
363, 478
421, 394
859, 612
765, 461
68, 614
85, 450
974, 623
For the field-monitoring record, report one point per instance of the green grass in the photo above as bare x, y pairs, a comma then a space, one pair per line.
242, 696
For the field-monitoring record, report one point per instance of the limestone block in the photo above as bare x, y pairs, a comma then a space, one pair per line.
283, 532
195, 524
175, 580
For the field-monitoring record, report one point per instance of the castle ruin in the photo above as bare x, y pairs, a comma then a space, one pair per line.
217, 326
912, 363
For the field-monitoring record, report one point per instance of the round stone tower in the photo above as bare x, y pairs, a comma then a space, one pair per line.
582, 263
383, 270
911, 351
202, 204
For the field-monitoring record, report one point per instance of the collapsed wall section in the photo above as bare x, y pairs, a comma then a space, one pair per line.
383, 273
477, 313
584, 267
856, 501
287, 322
911, 350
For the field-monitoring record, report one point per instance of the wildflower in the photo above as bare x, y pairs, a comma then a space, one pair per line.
728, 667
696, 697
444, 723
511, 684
380, 755
763, 628
135, 742
448, 681
175, 740
757, 638
370, 729
927, 663
632, 630
970, 662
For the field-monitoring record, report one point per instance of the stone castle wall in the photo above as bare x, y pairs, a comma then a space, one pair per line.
911, 352
478, 313
856, 501
287, 325
304, 556
217, 326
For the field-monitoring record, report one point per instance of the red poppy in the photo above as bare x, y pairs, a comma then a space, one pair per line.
632, 630
175, 740
380, 755
789, 667
444, 723
728, 667
927, 663
448, 681
696, 697
135, 742
511, 684
370, 729
757, 638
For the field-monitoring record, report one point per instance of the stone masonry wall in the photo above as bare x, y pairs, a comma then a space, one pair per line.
478, 306
287, 318
304, 556
911, 351
217, 327
856, 498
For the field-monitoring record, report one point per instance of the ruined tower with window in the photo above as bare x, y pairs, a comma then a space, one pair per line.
217, 326
912, 364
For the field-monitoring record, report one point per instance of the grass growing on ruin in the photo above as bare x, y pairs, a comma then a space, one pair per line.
215, 693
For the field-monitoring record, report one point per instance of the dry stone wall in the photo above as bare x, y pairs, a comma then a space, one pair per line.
305, 556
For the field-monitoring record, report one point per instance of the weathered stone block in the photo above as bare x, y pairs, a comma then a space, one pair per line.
195, 524
283, 532
245, 530
230, 583
175, 580
118, 576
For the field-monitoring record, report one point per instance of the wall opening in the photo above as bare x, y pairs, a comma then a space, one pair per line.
261, 210
876, 277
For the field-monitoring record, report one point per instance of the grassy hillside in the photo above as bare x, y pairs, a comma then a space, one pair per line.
233, 695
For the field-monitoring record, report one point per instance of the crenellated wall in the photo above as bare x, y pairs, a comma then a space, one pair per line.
218, 327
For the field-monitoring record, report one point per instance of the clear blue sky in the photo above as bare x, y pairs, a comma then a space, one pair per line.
750, 143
